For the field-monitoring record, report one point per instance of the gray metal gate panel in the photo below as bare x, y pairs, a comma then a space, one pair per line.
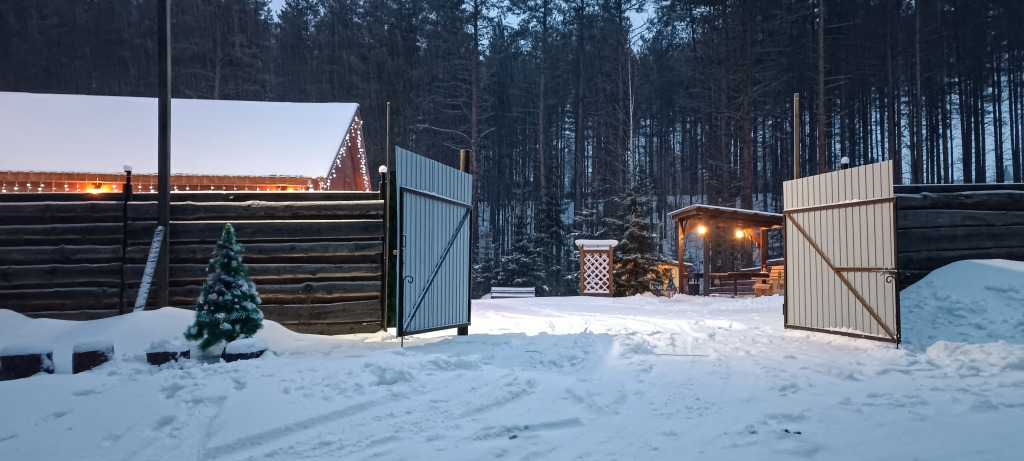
841, 253
434, 202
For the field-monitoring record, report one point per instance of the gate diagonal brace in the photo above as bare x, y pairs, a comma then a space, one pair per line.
842, 278
437, 268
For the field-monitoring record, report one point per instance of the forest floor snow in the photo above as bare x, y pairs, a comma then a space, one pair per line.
550, 378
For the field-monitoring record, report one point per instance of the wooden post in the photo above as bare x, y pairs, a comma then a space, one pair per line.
796, 135
464, 167
164, 146
611, 272
681, 239
710, 225
582, 274
764, 249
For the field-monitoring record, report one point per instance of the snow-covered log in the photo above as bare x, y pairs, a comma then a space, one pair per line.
91, 354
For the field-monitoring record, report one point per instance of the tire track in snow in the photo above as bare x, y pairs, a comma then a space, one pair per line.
261, 439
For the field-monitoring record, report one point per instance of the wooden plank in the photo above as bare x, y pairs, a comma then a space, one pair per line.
57, 275
956, 188
959, 238
275, 253
71, 234
931, 259
61, 254
259, 210
60, 299
990, 201
367, 252
346, 312
63, 197
265, 273
36, 213
183, 196
294, 294
255, 231
927, 219
74, 315
332, 328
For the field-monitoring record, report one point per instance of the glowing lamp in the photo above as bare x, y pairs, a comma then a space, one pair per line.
702, 230
739, 234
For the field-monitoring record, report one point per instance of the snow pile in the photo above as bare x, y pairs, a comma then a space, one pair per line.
168, 345
975, 302
245, 346
94, 345
27, 348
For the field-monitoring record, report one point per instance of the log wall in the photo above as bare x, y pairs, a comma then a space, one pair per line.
941, 224
315, 256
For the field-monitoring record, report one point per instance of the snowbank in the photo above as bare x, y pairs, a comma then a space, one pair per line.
976, 301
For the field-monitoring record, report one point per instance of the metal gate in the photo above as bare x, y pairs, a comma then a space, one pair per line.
434, 206
840, 245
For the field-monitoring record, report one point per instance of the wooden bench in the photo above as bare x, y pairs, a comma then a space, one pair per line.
512, 292
775, 283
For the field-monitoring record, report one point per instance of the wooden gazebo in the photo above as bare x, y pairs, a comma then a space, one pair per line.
703, 218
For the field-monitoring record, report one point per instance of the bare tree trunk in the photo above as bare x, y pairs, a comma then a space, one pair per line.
578, 173
997, 115
895, 138
821, 86
917, 156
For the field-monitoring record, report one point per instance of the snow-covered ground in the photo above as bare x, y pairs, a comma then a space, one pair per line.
552, 378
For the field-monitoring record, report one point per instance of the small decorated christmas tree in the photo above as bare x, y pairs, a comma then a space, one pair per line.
228, 306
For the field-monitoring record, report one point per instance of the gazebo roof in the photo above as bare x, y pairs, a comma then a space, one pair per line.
724, 215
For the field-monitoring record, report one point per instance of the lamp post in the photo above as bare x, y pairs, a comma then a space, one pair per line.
385, 191
127, 191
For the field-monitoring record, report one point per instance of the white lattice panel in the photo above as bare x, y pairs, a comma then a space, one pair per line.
595, 273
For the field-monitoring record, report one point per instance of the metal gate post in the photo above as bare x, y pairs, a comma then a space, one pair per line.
464, 167
384, 195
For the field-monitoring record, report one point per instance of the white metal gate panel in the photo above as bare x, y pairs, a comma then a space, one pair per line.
840, 244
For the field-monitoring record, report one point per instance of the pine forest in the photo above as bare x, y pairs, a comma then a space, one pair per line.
583, 116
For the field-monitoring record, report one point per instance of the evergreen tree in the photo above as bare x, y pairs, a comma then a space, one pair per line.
521, 263
636, 256
484, 270
228, 306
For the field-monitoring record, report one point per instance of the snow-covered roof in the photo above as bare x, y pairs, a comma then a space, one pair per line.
596, 244
99, 134
760, 217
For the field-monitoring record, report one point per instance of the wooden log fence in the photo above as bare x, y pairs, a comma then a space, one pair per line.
315, 256
941, 224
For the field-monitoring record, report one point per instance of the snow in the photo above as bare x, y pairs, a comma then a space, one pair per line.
245, 346
98, 134
547, 378
969, 301
27, 348
596, 244
168, 345
94, 345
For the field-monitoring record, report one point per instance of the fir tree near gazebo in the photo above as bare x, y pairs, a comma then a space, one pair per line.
228, 306
636, 256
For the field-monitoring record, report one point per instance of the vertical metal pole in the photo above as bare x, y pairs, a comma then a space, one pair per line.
796, 135
164, 147
384, 251
463, 331
124, 235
